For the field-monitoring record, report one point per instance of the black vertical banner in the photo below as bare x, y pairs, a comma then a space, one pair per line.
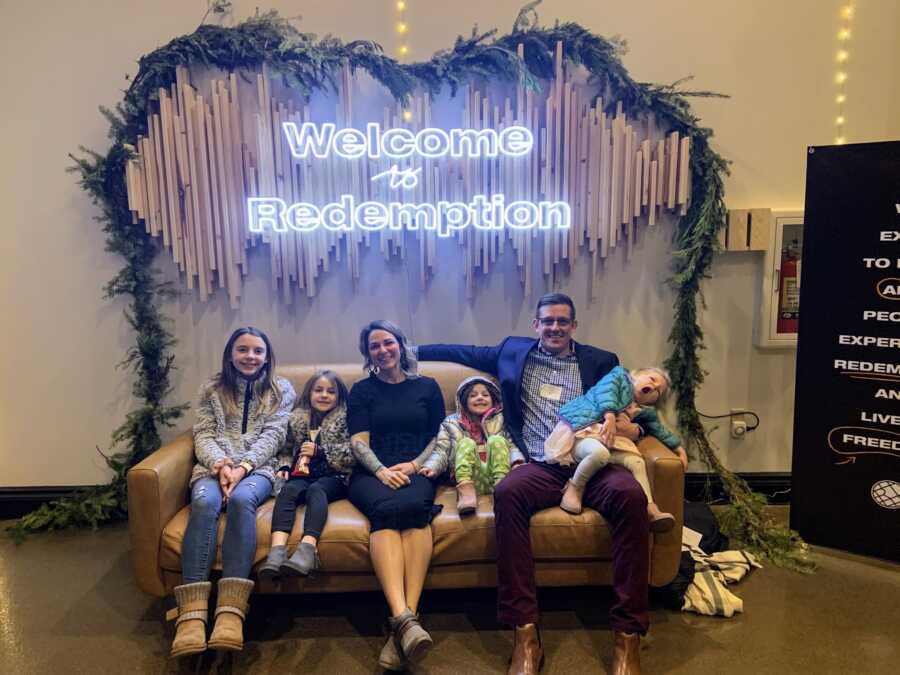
846, 464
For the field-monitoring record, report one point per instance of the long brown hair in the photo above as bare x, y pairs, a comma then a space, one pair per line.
228, 379
305, 400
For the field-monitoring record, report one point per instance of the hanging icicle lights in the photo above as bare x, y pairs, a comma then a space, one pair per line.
840, 77
493, 212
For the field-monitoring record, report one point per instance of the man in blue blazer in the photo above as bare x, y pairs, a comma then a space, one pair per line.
537, 376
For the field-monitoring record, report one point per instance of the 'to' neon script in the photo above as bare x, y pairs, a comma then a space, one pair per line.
486, 212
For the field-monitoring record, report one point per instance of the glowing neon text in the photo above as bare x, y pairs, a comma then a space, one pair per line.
484, 213
320, 140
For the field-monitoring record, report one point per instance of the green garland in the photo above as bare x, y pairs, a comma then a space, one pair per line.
309, 66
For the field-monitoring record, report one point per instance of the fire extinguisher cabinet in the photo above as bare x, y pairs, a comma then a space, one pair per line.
780, 310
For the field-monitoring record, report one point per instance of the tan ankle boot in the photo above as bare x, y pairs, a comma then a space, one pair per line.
660, 521
193, 611
571, 499
231, 610
627, 657
466, 499
528, 655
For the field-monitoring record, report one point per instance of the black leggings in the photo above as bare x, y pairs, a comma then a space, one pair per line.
316, 494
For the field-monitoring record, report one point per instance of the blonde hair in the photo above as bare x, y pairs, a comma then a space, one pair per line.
663, 373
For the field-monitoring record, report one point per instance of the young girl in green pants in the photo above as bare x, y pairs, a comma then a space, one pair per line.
474, 442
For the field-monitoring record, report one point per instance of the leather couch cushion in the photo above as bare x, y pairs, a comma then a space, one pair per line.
344, 547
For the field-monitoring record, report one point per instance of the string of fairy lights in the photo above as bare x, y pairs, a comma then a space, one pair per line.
840, 77
402, 31
403, 42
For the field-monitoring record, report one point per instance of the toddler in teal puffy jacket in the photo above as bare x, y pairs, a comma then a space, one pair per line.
586, 434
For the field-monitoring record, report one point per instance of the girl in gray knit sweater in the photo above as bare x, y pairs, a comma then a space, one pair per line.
241, 423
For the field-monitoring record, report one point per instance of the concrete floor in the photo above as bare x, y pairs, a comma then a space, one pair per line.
68, 605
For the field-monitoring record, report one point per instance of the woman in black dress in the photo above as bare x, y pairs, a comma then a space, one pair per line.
393, 415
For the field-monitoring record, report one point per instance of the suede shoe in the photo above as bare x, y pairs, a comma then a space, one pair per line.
304, 562
391, 657
660, 521
466, 499
270, 569
571, 499
193, 611
413, 639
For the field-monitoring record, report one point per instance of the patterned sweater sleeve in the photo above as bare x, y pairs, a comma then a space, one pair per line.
649, 421
611, 394
337, 447
274, 428
439, 459
297, 429
206, 448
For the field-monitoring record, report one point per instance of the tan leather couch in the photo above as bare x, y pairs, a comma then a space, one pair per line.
569, 550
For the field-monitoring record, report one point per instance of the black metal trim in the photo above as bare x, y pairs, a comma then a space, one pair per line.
775, 485
15, 502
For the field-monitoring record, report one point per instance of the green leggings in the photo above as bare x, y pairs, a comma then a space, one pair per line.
468, 465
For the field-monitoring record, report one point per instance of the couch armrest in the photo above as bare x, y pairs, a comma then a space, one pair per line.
667, 480
157, 490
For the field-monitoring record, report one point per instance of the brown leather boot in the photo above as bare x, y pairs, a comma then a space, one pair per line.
466, 499
528, 655
660, 521
626, 658
190, 628
231, 610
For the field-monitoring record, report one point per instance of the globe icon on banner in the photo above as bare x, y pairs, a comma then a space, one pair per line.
886, 493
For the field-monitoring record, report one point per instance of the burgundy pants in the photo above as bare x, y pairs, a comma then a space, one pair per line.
616, 495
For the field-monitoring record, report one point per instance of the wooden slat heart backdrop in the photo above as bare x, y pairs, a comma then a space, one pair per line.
191, 177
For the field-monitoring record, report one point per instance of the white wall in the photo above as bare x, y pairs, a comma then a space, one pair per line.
60, 394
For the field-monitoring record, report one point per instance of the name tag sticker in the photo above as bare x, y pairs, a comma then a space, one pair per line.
551, 392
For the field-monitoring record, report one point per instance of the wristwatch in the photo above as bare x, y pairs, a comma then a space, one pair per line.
246, 466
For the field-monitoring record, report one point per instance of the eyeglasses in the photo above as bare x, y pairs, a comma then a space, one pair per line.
548, 322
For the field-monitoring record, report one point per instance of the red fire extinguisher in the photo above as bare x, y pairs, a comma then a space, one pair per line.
789, 290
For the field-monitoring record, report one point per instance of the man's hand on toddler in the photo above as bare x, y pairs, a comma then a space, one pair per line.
625, 427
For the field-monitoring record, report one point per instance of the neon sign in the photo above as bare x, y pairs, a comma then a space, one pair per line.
432, 143
484, 212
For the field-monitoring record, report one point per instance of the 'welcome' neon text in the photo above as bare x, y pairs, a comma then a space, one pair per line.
320, 140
